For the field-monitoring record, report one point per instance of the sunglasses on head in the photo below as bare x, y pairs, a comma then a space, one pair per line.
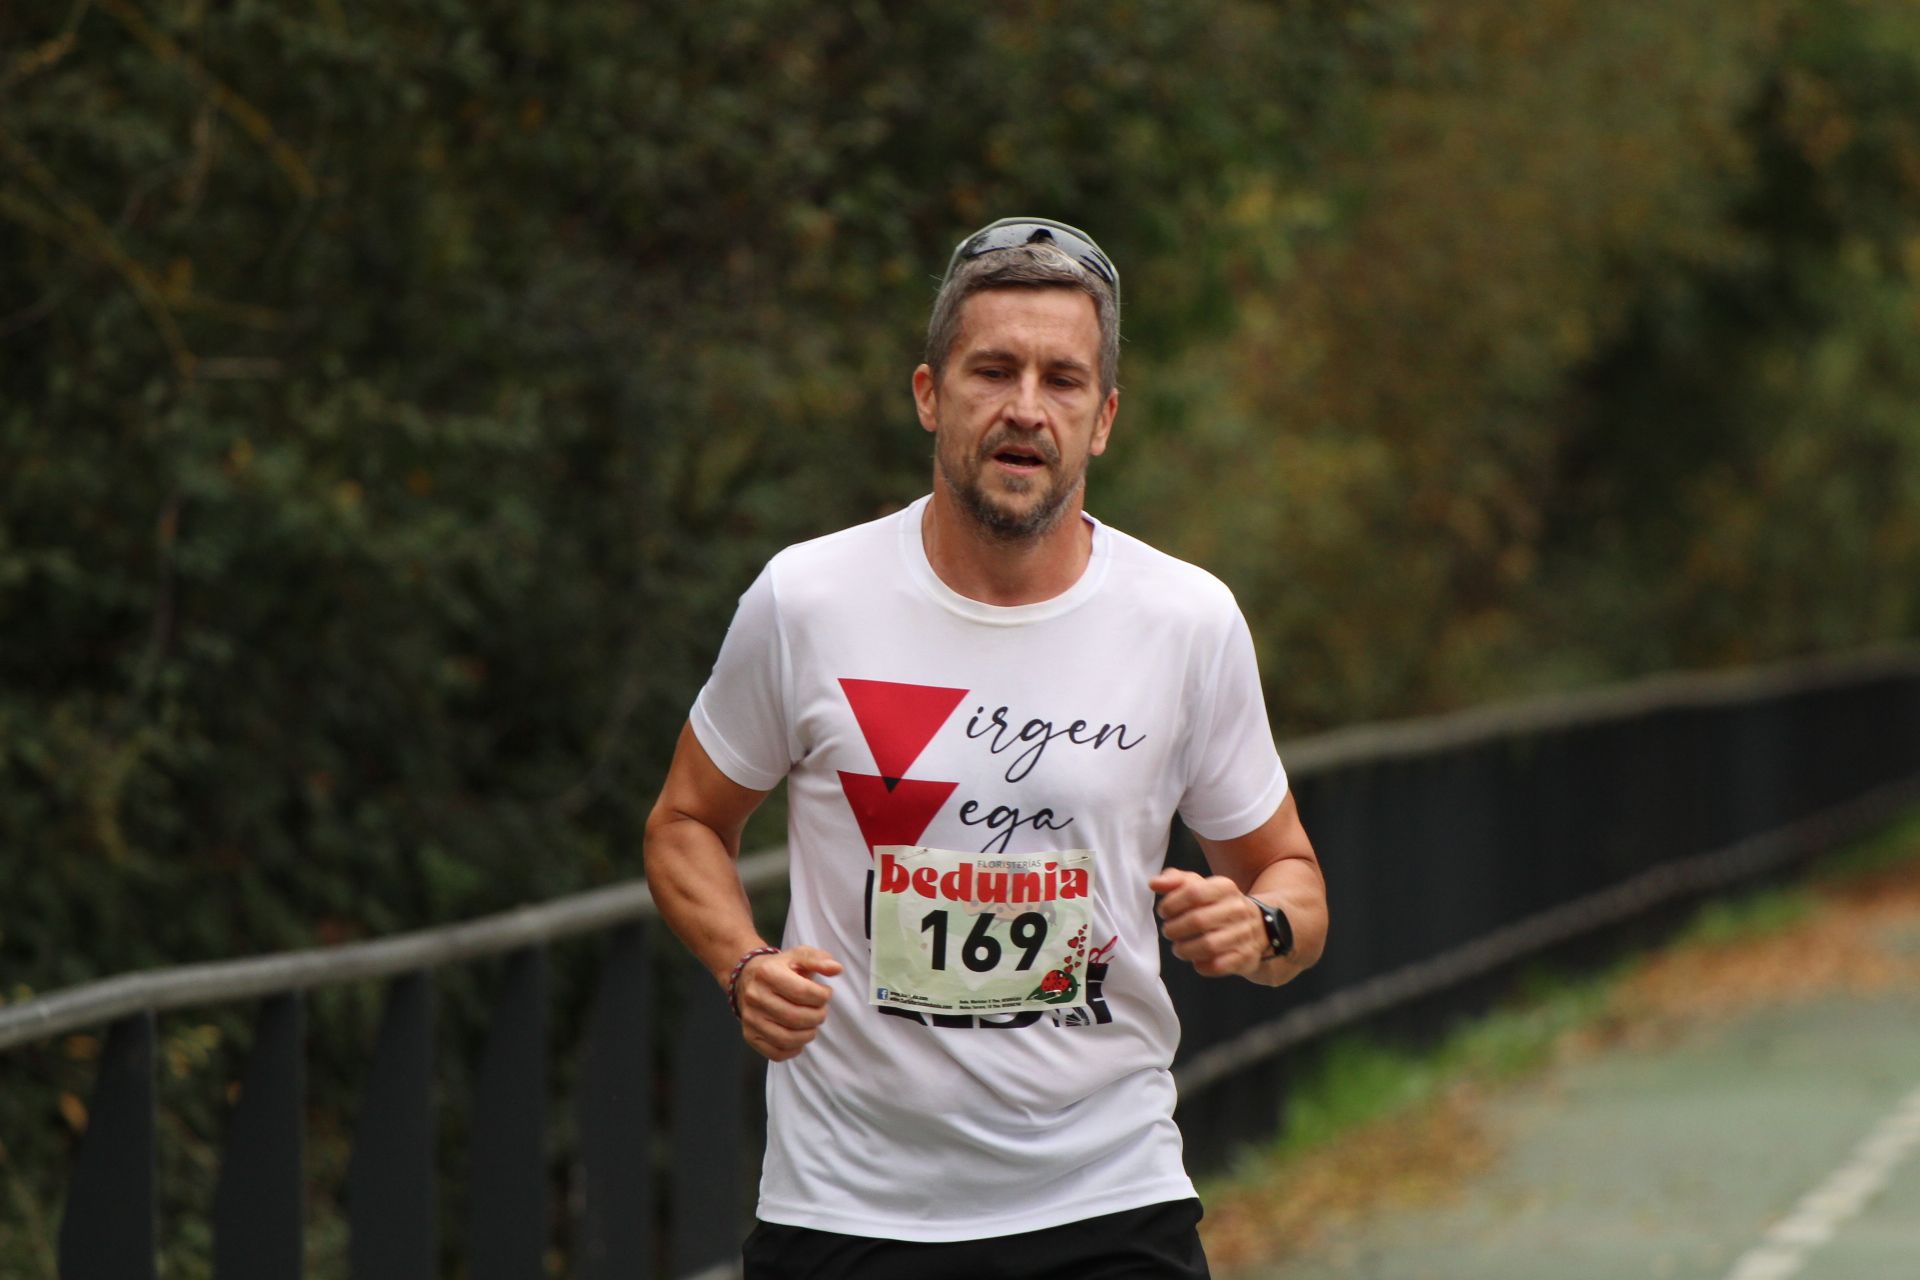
1011, 233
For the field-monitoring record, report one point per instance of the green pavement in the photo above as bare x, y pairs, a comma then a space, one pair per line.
1669, 1160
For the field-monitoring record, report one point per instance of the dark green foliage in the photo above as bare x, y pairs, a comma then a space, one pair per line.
396, 400
1749, 448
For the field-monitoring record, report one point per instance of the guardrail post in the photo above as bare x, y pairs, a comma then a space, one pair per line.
257, 1205
507, 1230
390, 1182
708, 1090
107, 1232
615, 1115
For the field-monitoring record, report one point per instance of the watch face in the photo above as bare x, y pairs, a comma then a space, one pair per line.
1279, 928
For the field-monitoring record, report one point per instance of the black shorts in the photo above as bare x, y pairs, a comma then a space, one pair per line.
1158, 1242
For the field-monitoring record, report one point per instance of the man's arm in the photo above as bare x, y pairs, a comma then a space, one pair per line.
692, 860
1215, 929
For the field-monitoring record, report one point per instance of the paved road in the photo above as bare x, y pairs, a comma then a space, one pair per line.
1673, 1161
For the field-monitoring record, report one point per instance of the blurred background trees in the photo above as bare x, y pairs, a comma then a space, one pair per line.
394, 399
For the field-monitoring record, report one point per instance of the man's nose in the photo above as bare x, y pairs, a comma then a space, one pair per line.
1025, 408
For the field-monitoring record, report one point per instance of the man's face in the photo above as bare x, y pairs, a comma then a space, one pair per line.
1018, 412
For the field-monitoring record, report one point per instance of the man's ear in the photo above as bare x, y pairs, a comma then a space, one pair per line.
1103, 427
926, 397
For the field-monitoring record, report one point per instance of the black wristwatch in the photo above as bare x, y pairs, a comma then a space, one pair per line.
1279, 929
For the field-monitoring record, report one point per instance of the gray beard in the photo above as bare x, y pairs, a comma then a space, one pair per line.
997, 522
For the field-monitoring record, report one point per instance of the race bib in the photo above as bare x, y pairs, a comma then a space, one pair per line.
979, 933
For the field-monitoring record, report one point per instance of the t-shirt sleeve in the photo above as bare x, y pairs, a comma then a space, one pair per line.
741, 715
1235, 780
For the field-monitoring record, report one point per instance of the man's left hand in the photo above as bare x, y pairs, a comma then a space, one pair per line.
1210, 923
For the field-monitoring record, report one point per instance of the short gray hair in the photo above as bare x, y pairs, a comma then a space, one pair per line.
1029, 266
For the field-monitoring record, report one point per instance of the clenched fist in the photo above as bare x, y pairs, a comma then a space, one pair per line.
1210, 923
782, 1004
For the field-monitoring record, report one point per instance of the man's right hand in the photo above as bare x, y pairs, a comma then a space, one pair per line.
781, 1003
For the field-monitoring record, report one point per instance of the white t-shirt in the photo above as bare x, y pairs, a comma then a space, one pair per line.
905, 714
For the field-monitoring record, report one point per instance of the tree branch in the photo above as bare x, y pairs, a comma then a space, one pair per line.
243, 113
83, 231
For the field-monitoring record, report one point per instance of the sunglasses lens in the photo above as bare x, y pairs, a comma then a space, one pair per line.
1083, 251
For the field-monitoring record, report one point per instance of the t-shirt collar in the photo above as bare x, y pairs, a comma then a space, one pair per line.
913, 550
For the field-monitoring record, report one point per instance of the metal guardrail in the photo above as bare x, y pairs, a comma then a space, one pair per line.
1704, 873
1627, 700
224, 981
108, 1228
1454, 845
1459, 845
228, 980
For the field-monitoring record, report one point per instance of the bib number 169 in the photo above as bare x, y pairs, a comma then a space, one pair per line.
981, 951
967, 933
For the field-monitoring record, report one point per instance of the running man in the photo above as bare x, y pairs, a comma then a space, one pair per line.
988, 708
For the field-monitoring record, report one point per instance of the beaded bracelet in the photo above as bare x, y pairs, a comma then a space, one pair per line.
733, 979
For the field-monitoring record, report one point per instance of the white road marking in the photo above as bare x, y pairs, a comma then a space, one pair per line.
1784, 1249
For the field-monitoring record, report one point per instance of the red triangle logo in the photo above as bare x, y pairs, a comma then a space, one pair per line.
899, 720
893, 814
